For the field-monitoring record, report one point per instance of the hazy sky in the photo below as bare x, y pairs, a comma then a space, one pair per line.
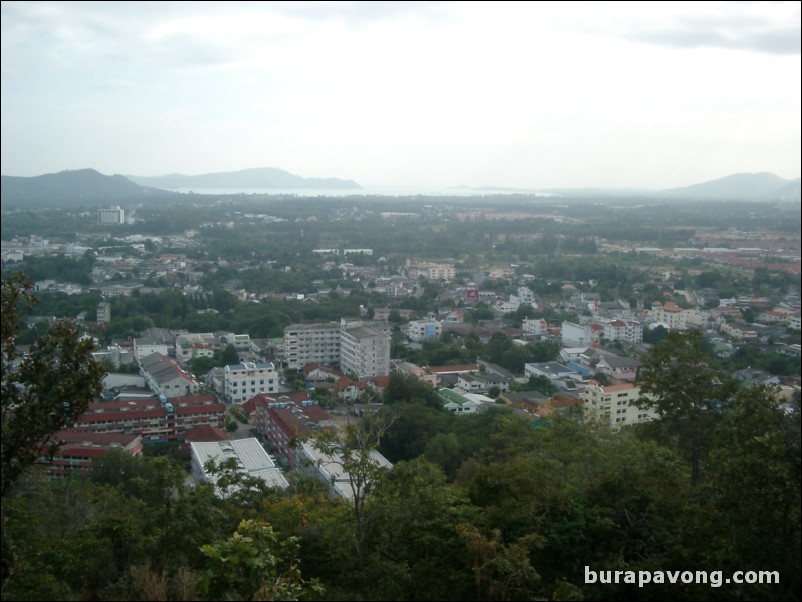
435, 94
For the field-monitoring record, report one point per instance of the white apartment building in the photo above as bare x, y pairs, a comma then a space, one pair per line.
614, 404
243, 381
364, 350
111, 215
673, 317
624, 330
535, 326
311, 344
421, 330
526, 296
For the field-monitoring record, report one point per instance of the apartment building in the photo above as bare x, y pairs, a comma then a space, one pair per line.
364, 350
247, 379
629, 331
311, 344
153, 418
615, 404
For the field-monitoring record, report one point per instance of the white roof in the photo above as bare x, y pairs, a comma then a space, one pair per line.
250, 456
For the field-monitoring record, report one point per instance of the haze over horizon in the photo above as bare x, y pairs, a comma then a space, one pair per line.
439, 94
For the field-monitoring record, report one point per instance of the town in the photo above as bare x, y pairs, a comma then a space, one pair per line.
242, 331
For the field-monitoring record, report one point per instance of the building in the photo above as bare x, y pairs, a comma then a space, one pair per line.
247, 456
673, 317
189, 346
629, 331
79, 449
456, 403
622, 368
481, 382
285, 424
155, 419
311, 344
165, 377
103, 312
243, 381
154, 340
364, 350
615, 404
111, 215
576, 335
329, 468
536, 326
422, 330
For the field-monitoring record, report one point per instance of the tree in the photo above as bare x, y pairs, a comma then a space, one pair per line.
677, 380
44, 390
254, 564
229, 355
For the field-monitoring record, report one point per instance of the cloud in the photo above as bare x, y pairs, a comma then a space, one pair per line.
734, 28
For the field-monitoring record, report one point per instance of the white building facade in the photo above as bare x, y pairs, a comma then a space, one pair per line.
245, 380
311, 344
615, 404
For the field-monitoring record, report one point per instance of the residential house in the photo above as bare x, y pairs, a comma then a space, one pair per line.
165, 377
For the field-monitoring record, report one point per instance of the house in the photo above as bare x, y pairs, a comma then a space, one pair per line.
454, 402
440, 372
165, 377
529, 401
623, 368
551, 370
481, 382
319, 372
347, 389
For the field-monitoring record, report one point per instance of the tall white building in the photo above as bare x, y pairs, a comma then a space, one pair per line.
615, 404
111, 215
364, 350
243, 381
311, 344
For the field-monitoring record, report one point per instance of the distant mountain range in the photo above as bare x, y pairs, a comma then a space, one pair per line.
761, 186
89, 187
260, 177
77, 187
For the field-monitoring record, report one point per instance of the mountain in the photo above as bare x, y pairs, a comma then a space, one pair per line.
761, 186
260, 177
76, 187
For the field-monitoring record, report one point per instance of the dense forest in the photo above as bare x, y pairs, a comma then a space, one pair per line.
492, 506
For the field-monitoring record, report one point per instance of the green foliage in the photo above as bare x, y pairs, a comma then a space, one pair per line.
254, 564
43, 391
677, 380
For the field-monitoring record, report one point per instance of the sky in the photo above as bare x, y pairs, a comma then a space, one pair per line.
406, 94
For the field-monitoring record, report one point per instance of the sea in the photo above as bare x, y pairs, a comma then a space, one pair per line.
360, 192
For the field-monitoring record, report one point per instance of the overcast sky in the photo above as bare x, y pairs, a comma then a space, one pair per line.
421, 94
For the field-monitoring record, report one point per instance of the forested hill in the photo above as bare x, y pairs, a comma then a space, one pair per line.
74, 188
